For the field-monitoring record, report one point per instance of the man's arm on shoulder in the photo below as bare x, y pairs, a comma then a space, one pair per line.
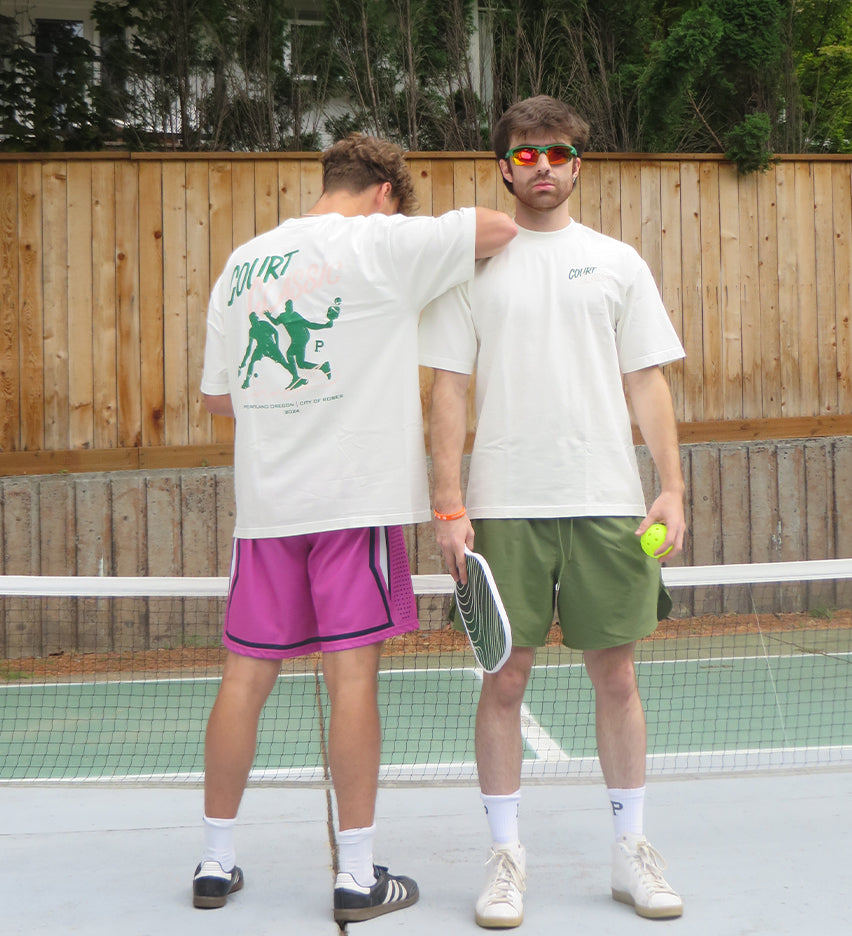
652, 405
494, 229
219, 405
447, 432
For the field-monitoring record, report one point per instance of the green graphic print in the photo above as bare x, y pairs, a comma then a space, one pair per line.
264, 343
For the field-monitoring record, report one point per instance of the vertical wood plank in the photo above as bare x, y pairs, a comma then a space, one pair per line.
706, 517
842, 510
222, 241
310, 184
31, 308
749, 297
806, 292
12, 372
128, 332
651, 247
819, 524
485, 180
174, 303
198, 551
198, 292
151, 301
265, 195
841, 187
80, 306
226, 513
58, 557
588, 197
826, 288
671, 283
289, 189
129, 552
464, 184
764, 516
729, 293
769, 287
442, 186
104, 317
55, 241
792, 513
93, 533
631, 205
21, 556
242, 181
611, 207
162, 496
735, 513
421, 177
691, 291
711, 306
788, 302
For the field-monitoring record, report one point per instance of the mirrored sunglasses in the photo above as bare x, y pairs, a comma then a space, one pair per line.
528, 155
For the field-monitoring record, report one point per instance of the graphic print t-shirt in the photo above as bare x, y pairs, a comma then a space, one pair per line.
551, 324
312, 330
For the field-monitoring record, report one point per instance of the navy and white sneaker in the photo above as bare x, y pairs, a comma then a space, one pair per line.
212, 884
353, 902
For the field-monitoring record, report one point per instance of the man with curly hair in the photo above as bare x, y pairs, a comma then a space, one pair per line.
329, 464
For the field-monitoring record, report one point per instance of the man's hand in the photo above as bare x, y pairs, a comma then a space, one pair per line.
452, 537
668, 510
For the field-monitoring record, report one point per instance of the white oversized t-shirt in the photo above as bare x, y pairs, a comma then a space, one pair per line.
312, 330
551, 324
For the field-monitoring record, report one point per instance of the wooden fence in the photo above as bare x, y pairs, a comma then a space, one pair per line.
106, 263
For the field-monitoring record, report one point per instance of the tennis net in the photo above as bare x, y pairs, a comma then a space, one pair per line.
111, 680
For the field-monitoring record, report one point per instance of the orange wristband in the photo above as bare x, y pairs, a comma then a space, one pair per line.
453, 516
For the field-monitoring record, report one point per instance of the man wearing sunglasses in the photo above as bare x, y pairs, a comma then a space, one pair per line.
556, 327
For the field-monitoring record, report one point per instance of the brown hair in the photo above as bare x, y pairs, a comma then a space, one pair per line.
358, 161
540, 113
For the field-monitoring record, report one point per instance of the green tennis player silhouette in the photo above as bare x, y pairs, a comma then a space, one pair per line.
264, 343
299, 329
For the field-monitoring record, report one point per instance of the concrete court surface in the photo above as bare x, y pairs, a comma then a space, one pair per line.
751, 855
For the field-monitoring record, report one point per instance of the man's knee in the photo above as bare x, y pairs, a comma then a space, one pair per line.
508, 684
612, 670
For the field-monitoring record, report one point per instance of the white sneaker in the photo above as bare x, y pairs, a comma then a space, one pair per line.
637, 879
501, 903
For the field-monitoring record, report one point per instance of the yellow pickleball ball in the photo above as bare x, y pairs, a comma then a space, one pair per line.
653, 538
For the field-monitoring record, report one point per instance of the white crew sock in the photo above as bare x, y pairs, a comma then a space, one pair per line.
628, 811
219, 842
502, 811
355, 854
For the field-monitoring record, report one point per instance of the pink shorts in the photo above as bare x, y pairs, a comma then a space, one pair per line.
294, 595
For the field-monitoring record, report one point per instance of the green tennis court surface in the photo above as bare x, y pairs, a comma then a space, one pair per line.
740, 711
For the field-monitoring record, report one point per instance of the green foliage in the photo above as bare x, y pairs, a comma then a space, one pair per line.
821, 48
742, 77
44, 98
747, 144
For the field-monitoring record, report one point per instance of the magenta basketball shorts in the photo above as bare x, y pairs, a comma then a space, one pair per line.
293, 595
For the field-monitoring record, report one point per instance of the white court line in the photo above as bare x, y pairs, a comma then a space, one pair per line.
559, 768
428, 670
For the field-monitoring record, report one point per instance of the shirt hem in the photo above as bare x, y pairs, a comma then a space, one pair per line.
339, 523
539, 512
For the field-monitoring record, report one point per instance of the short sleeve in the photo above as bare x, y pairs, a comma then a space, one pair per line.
447, 337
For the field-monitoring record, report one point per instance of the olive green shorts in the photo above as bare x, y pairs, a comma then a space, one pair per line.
588, 572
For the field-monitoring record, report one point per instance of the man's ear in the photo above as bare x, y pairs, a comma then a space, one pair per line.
506, 169
381, 192
577, 162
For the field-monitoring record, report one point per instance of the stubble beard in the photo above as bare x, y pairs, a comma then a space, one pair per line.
547, 199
